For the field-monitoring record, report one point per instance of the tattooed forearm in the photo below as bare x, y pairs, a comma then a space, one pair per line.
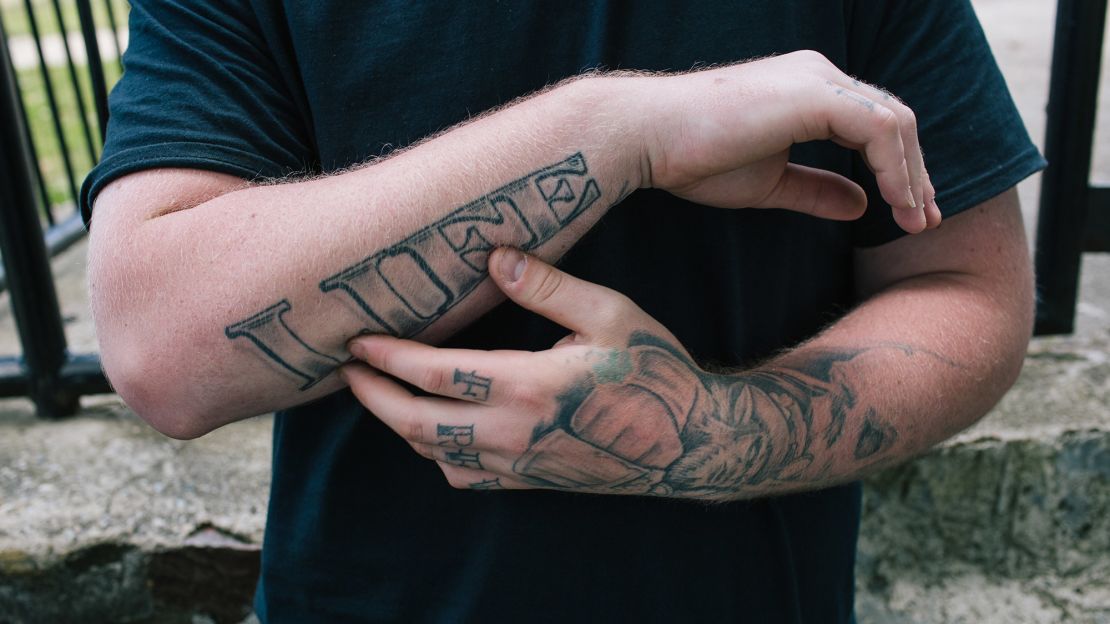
403, 288
649, 421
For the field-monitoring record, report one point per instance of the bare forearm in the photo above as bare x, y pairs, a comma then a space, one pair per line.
270, 282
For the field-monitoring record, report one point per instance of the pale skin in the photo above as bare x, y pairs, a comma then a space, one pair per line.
218, 251
923, 357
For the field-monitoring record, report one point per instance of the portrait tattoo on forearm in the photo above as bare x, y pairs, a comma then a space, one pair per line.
403, 288
651, 422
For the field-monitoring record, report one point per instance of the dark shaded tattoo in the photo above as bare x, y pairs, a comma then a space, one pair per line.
649, 421
487, 484
476, 386
269, 332
403, 288
874, 437
455, 435
463, 459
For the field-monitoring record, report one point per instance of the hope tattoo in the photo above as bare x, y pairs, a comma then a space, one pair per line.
649, 421
405, 287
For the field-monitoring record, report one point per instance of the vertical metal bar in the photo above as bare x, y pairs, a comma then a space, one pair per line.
1065, 190
32, 152
34, 301
115, 32
58, 130
78, 92
96, 68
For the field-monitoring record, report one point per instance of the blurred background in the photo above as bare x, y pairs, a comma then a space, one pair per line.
102, 519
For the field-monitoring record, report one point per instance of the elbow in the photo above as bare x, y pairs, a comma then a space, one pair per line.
1021, 321
152, 388
149, 365
1005, 361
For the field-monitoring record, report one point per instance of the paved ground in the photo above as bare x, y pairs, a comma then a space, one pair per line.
1010, 522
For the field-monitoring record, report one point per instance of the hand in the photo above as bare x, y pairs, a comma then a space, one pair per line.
722, 137
601, 411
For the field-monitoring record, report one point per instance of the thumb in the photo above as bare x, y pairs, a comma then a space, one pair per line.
585, 308
816, 192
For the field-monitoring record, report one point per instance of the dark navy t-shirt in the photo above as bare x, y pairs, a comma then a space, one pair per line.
362, 529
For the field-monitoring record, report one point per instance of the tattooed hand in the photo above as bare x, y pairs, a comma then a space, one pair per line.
617, 406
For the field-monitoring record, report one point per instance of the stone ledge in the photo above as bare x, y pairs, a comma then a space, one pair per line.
1010, 520
118, 582
104, 519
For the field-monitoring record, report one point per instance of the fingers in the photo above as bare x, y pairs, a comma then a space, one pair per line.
492, 473
877, 129
879, 125
921, 186
816, 192
411, 417
469, 375
889, 141
451, 433
599, 314
932, 211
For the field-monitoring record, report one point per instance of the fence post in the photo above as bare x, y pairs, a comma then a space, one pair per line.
1065, 188
31, 284
96, 66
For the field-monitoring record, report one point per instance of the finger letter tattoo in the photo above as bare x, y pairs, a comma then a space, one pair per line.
487, 484
463, 459
477, 387
455, 435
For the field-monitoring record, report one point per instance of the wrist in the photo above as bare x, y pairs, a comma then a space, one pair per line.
614, 108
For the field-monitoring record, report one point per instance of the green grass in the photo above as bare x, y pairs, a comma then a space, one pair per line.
39, 114
43, 133
14, 14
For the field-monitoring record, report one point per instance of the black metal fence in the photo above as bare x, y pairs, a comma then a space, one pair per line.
1074, 216
36, 220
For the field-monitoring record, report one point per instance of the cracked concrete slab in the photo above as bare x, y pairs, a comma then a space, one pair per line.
104, 519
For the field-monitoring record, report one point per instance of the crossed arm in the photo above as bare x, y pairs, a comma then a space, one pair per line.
619, 407
246, 296
216, 300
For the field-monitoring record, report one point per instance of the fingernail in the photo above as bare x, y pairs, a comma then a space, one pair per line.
512, 264
356, 349
909, 195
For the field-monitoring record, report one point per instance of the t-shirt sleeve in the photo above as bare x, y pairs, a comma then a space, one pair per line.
200, 90
934, 56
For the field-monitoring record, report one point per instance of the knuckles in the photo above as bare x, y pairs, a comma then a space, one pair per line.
435, 380
414, 432
886, 120
810, 57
